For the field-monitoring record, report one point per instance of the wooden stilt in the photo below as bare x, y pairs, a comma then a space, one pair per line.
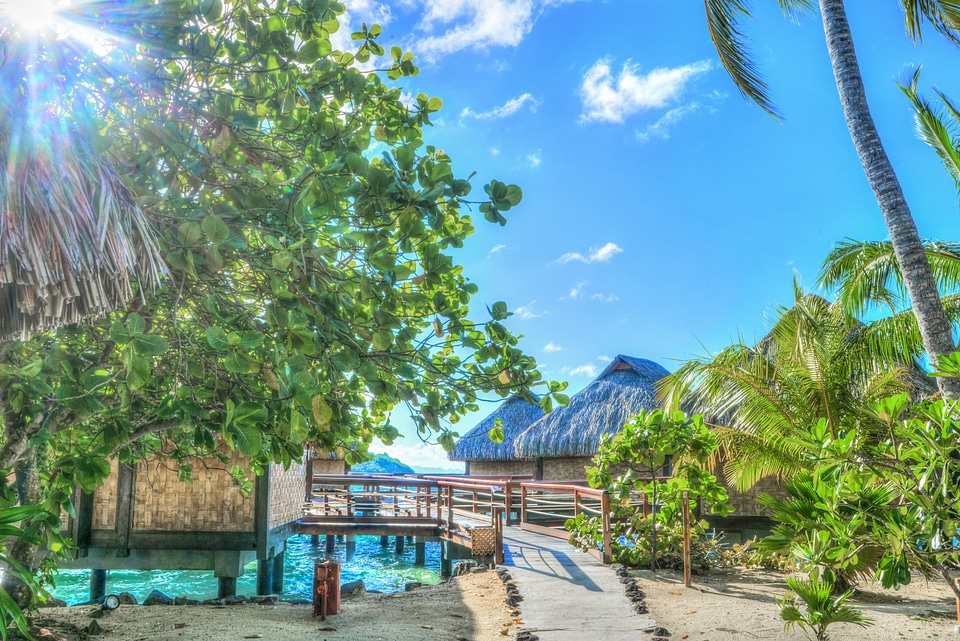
351, 546
384, 541
331, 543
264, 576
277, 587
226, 587
399, 544
98, 584
420, 552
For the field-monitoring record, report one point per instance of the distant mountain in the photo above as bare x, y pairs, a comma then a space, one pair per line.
382, 464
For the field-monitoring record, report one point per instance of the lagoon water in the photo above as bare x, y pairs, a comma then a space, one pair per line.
381, 568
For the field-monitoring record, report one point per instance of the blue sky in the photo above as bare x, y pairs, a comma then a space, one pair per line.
663, 215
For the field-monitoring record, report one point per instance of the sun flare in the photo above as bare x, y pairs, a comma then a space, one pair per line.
30, 17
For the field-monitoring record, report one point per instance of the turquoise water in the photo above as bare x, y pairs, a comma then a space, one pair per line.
381, 568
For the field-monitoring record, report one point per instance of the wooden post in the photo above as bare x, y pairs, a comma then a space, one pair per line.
277, 574
331, 543
449, 508
384, 541
420, 552
508, 501
351, 545
98, 585
314, 540
265, 576
398, 543
226, 587
523, 505
607, 535
576, 503
686, 539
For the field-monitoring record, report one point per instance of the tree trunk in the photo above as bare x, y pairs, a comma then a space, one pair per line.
921, 286
24, 552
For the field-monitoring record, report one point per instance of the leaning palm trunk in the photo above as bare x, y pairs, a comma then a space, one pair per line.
918, 279
72, 237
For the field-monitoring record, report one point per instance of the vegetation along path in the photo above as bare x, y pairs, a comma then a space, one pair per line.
567, 593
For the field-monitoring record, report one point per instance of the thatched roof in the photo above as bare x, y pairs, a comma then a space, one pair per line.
625, 387
515, 414
72, 235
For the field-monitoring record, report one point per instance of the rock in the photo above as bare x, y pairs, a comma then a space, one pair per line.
53, 602
352, 589
127, 599
96, 614
413, 585
180, 600
525, 635
265, 599
461, 568
94, 629
236, 599
478, 569
157, 597
214, 602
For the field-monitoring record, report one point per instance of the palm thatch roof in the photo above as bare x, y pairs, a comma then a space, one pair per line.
625, 387
71, 233
515, 414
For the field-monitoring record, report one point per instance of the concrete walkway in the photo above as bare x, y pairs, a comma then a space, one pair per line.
568, 595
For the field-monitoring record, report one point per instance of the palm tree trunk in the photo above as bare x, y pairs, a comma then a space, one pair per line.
924, 296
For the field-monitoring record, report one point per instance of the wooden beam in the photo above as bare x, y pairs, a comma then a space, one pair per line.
126, 490
261, 512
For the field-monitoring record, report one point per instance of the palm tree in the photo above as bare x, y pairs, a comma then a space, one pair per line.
817, 362
723, 20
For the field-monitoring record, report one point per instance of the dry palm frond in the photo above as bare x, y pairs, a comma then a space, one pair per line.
72, 237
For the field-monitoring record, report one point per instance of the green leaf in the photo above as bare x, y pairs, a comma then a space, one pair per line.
151, 344
247, 438
31, 369
217, 339
240, 364
135, 324
215, 229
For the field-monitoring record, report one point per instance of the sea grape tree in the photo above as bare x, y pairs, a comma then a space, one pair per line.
308, 229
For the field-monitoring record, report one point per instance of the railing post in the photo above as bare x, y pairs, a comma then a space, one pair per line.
576, 503
508, 501
523, 504
607, 534
450, 509
439, 503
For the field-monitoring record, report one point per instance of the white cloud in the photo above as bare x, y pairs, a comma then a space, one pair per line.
595, 255
609, 99
469, 24
528, 311
534, 160
661, 128
577, 289
603, 358
606, 298
505, 110
589, 369
496, 249
494, 151
418, 455
553, 347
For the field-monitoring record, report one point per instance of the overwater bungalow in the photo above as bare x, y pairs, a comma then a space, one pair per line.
563, 442
484, 457
145, 518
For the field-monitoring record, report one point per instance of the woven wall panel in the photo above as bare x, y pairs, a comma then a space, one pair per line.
288, 490
484, 541
210, 504
105, 501
502, 468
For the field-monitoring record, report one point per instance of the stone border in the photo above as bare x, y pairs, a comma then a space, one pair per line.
638, 598
513, 601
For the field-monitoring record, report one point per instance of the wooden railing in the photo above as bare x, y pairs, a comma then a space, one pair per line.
545, 507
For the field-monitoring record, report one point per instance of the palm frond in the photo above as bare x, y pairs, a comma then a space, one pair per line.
723, 21
943, 15
933, 128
